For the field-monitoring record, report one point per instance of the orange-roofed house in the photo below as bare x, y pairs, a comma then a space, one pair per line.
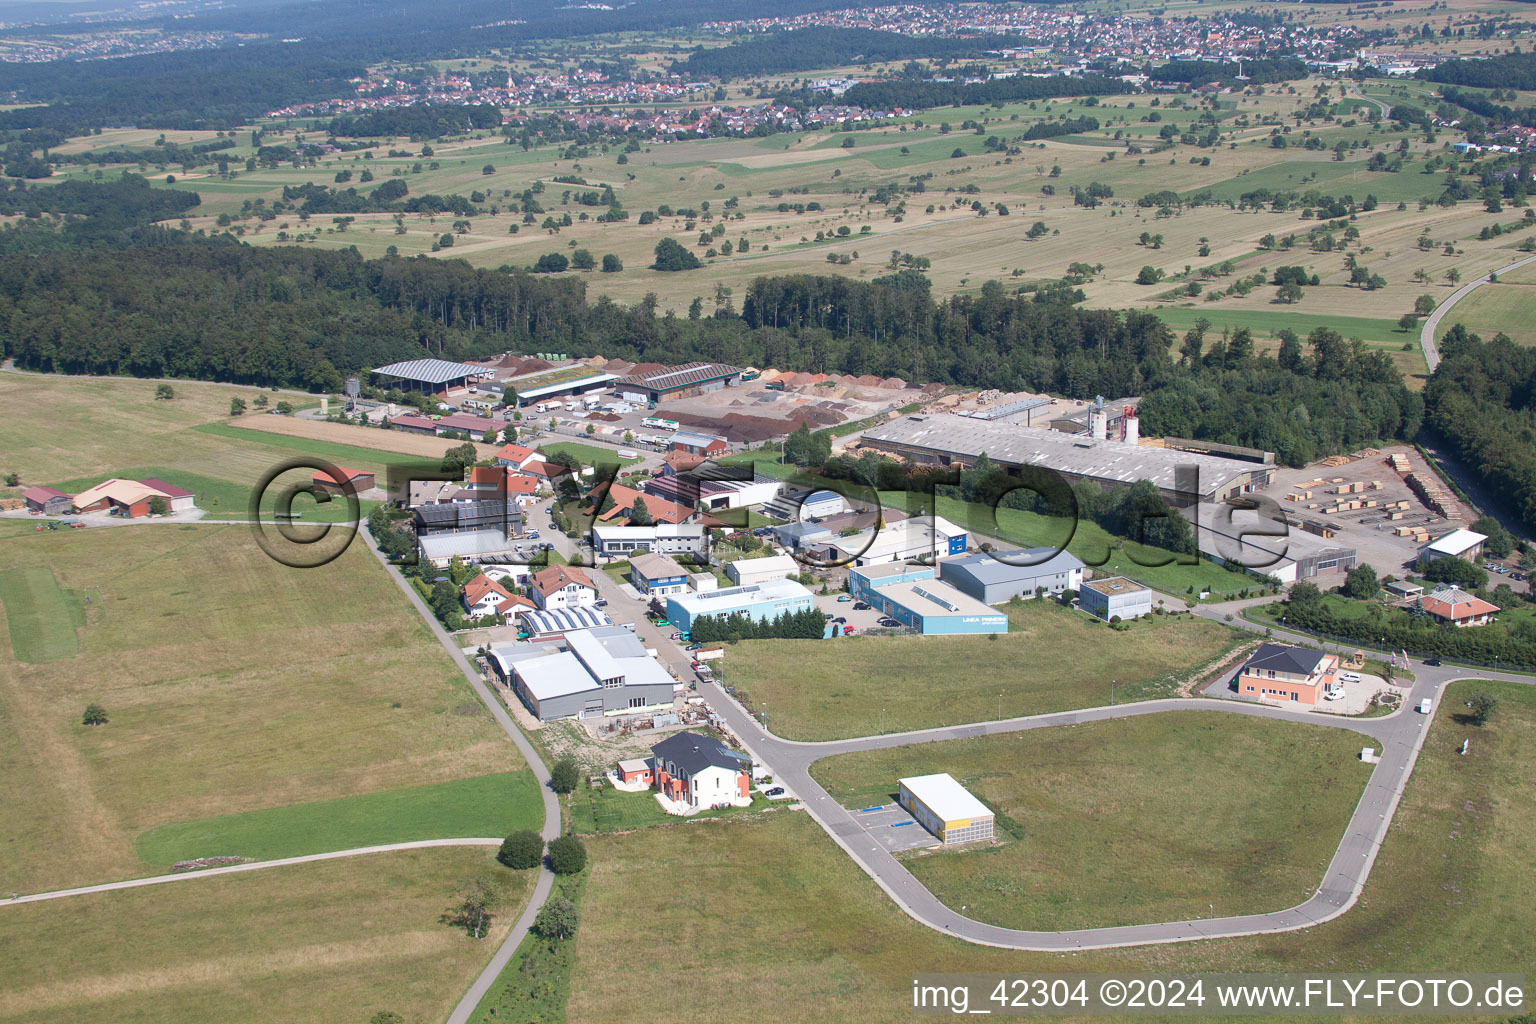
484, 596
661, 510
516, 456
562, 586
1454, 606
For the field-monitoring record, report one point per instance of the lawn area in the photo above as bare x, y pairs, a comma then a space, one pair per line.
232, 684
227, 499
42, 619
1102, 551
587, 454
611, 810
335, 941
836, 689
487, 806
1266, 323
1072, 801
785, 910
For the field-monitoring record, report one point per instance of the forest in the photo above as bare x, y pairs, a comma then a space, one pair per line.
922, 95
803, 49
302, 318
1198, 72
1481, 400
1506, 71
422, 121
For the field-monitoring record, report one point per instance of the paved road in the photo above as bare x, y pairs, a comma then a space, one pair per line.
232, 869
1354, 90
1427, 332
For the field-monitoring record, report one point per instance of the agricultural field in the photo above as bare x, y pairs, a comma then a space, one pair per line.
1502, 307
1070, 801
330, 941
823, 690
232, 685
745, 181
786, 911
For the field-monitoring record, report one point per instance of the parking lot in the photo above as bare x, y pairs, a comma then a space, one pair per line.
894, 828
863, 620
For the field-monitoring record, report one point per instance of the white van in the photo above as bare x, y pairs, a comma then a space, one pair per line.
1349, 677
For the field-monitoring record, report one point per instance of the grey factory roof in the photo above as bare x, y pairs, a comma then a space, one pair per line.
431, 371
560, 387
1114, 461
559, 620
1011, 566
681, 376
469, 544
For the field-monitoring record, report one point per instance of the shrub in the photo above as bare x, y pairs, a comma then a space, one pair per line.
521, 850
564, 775
567, 855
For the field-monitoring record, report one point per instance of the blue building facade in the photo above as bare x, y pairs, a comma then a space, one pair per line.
912, 596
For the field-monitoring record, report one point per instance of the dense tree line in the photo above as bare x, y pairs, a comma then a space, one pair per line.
804, 49
920, 95
1261, 72
421, 121
129, 199
806, 624
1506, 71
299, 317
1066, 126
1417, 634
1482, 400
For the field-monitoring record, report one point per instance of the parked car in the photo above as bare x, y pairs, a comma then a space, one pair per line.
860, 606
844, 598
694, 647
840, 620
1434, 662
889, 623
775, 791
677, 636
849, 630
695, 665
826, 615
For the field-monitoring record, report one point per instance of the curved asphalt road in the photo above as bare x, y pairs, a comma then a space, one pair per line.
1427, 332
1397, 738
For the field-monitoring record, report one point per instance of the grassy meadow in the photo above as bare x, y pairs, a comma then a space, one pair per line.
1120, 822
332, 941
836, 689
233, 684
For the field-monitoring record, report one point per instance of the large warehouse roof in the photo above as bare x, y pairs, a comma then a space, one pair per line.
1008, 443
431, 371
945, 797
681, 376
1004, 567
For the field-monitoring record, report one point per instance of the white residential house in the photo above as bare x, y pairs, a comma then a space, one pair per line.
562, 586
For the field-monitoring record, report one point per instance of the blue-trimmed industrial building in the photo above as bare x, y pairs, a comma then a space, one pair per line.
657, 575
998, 576
760, 601
912, 596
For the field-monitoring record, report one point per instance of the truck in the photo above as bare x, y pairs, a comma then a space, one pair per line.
718, 652
774, 385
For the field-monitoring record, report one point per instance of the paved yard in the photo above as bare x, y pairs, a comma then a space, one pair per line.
894, 828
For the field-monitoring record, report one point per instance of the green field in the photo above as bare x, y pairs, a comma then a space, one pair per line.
42, 618
227, 499
232, 684
822, 690
1105, 553
1505, 307
330, 942
487, 806
586, 454
784, 910
1124, 822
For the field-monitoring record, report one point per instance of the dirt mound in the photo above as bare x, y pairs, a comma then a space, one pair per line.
742, 427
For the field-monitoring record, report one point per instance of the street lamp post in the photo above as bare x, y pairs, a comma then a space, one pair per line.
882, 721
999, 707
1111, 691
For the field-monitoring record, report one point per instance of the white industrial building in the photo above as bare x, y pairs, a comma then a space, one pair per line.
1466, 544
745, 571
918, 537
946, 808
586, 672
660, 539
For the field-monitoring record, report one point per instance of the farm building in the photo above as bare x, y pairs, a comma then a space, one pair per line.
912, 596
760, 601
695, 443
657, 575
1290, 674
129, 498
463, 423
999, 576
666, 383
353, 481
1184, 478
746, 571
431, 375
946, 808
47, 500
1115, 597
413, 424
180, 500
587, 672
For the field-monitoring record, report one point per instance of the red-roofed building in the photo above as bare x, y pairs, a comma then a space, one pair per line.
1457, 607
47, 501
661, 510
475, 426
484, 596
563, 586
413, 424
486, 482
355, 481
